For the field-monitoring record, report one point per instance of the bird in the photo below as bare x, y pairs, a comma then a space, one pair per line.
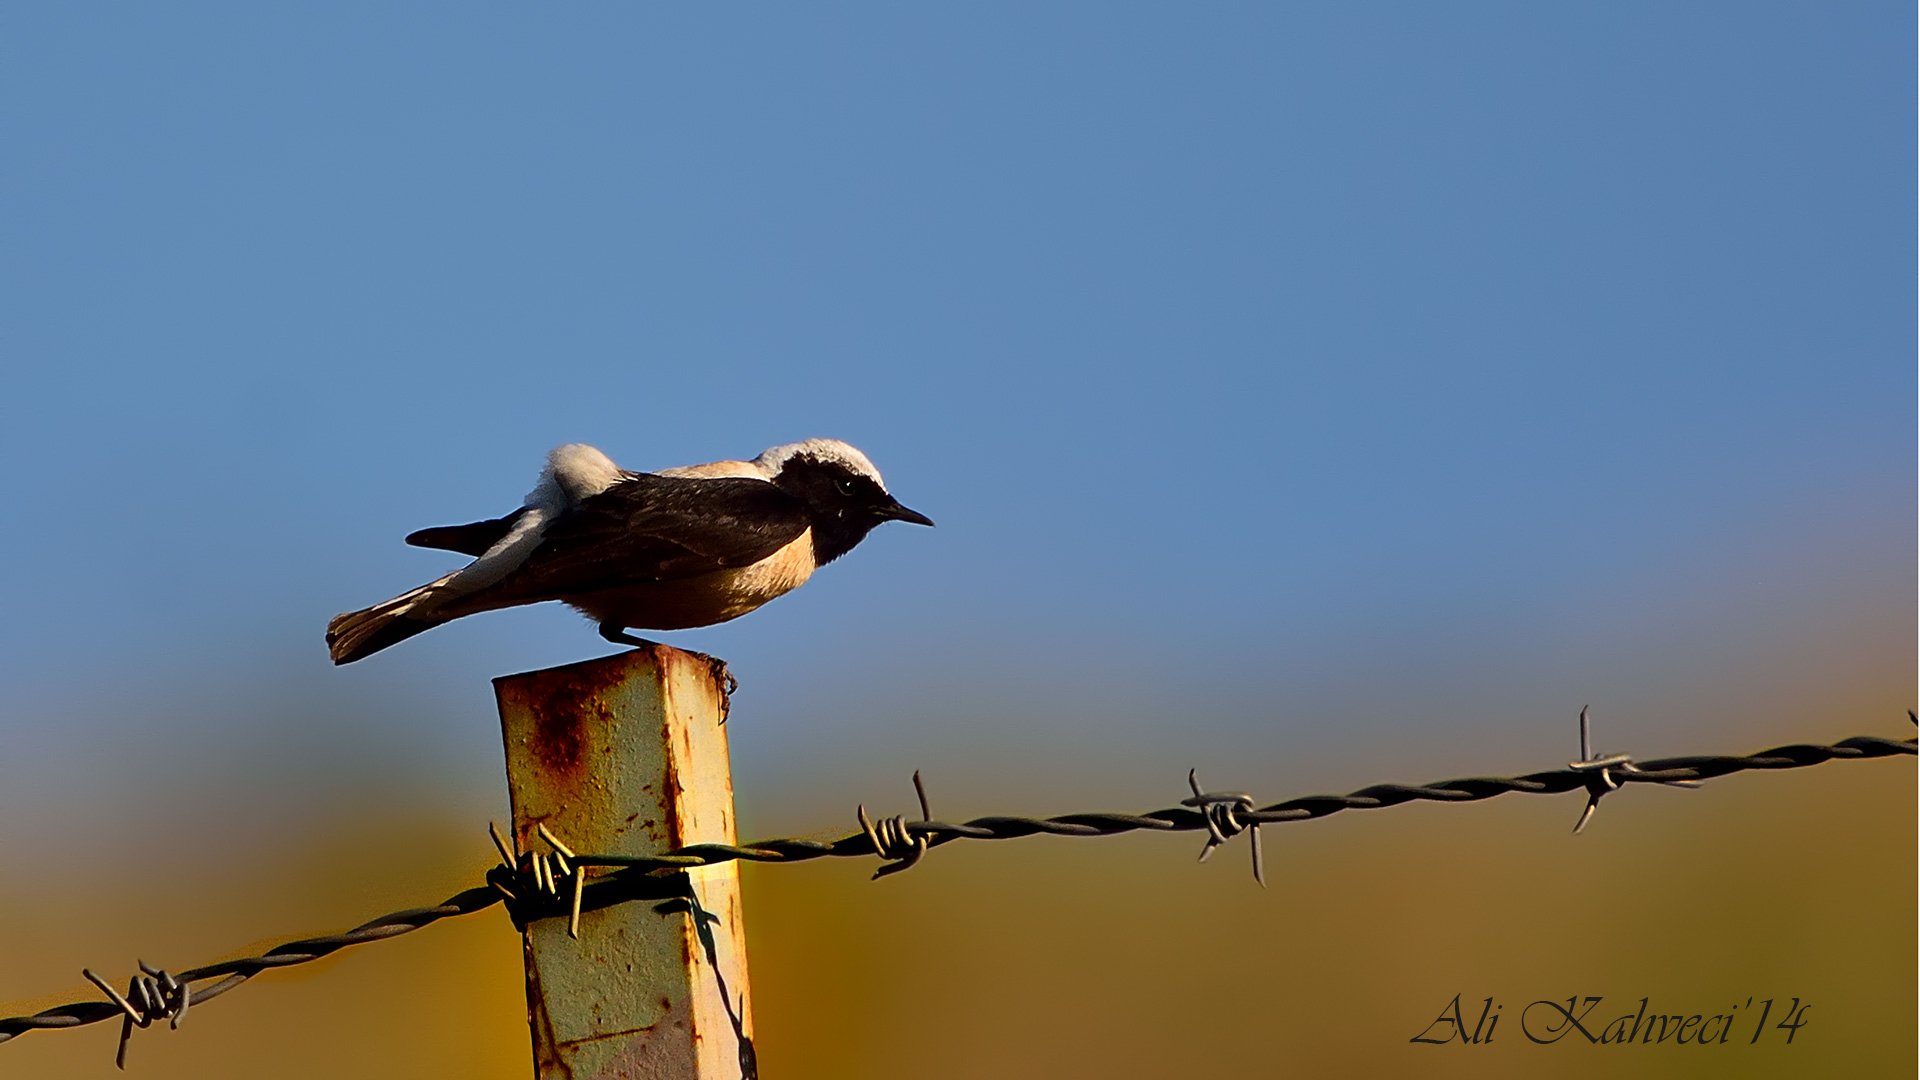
668, 550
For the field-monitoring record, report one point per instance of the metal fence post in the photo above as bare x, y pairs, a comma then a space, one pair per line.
627, 755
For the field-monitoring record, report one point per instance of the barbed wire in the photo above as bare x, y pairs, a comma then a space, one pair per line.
529, 883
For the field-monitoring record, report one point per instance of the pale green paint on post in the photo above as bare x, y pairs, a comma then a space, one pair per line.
627, 756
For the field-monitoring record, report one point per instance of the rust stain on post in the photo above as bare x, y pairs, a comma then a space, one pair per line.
627, 755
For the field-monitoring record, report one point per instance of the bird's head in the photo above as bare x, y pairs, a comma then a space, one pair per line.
842, 490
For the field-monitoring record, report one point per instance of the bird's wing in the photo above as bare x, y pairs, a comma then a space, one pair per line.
472, 539
649, 527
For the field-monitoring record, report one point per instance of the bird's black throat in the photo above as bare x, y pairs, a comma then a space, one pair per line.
843, 504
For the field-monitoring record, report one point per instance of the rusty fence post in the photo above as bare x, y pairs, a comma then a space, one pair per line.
627, 755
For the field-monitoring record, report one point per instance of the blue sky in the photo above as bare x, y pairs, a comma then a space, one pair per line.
1288, 382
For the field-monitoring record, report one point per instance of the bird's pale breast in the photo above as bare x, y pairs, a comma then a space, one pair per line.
704, 600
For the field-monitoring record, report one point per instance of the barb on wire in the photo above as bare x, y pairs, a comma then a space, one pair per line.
539, 875
529, 882
1221, 812
228, 974
1599, 772
151, 995
892, 838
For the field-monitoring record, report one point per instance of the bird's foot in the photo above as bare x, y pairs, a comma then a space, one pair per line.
619, 636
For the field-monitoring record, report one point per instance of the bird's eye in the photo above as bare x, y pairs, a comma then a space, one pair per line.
846, 487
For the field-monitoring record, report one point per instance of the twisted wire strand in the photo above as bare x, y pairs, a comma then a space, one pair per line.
637, 877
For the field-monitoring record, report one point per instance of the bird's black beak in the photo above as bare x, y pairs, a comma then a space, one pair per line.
896, 512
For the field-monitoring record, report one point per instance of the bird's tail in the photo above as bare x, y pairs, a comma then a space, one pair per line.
359, 634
